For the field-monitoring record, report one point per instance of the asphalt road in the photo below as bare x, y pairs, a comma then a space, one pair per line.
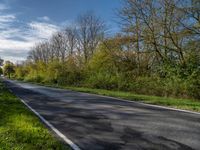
99, 123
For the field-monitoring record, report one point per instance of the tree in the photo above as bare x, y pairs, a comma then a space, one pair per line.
70, 34
156, 53
8, 68
90, 31
1, 71
1, 62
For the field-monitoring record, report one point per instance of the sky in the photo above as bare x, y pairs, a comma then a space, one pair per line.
26, 22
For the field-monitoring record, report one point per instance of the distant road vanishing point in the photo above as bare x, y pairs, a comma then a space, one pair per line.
101, 123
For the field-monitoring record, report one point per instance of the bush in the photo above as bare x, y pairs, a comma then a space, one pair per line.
102, 80
193, 86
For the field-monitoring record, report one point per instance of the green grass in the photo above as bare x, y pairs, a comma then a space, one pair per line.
20, 129
185, 104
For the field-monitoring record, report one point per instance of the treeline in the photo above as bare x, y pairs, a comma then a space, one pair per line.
157, 52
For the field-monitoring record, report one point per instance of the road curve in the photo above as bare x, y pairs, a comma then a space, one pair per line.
99, 123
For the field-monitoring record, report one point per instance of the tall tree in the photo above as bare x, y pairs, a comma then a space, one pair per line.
90, 31
71, 39
8, 68
1, 62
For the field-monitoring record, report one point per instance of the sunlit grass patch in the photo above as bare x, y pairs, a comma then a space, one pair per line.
179, 103
186, 104
20, 129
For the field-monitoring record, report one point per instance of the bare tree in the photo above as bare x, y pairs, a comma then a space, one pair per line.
156, 26
1, 62
90, 31
59, 46
71, 39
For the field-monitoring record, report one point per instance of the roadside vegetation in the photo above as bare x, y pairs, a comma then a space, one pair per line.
178, 103
20, 129
186, 104
156, 53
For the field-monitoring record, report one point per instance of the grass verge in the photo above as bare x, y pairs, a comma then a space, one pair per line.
184, 104
20, 129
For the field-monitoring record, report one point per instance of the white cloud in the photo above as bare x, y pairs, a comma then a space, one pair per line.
42, 30
7, 18
7, 44
17, 37
44, 18
6, 21
16, 40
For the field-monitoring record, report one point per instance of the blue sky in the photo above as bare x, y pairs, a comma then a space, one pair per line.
26, 22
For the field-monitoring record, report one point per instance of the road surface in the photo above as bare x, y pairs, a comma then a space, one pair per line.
100, 123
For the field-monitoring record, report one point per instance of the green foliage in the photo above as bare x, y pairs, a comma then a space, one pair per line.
1, 62
20, 72
187, 104
103, 72
8, 69
116, 69
194, 84
1, 71
70, 73
102, 80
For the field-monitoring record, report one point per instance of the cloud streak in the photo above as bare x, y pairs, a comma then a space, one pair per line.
16, 40
44, 18
42, 30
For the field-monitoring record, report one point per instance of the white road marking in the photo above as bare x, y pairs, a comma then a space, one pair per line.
62, 136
